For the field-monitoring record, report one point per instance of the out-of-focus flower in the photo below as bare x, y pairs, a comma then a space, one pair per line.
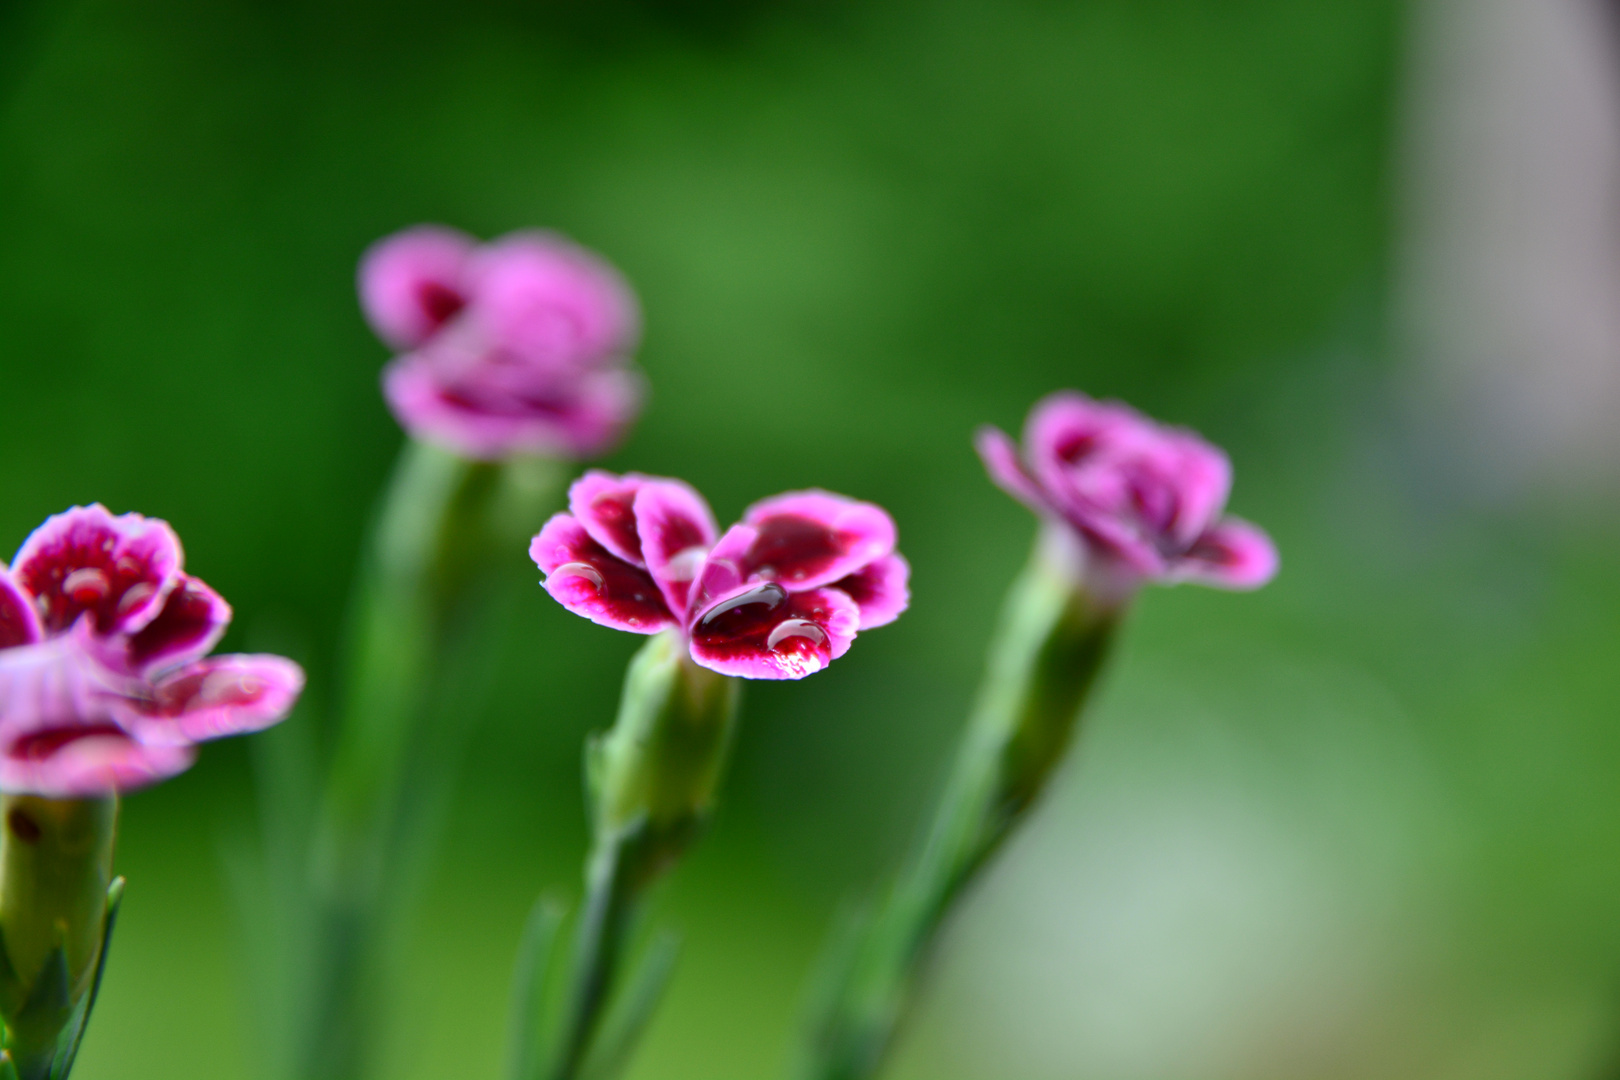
1145, 499
516, 346
779, 596
105, 682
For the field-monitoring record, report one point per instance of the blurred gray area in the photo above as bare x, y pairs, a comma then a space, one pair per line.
1510, 237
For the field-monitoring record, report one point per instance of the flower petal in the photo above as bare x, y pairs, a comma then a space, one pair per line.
580, 417
412, 283
1000, 456
676, 529
1140, 492
762, 631
119, 570
587, 579
19, 622
1066, 427
879, 590
59, 731
193, 619
812, 538
722, 571
552, 301
605, 505
59, 680
70, 761
1200, 475
1232, 555
215, 697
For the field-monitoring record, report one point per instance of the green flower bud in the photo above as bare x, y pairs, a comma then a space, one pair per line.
654, 774
57, 896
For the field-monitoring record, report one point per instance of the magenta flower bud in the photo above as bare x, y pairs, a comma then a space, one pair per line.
521, 345
1144, 500
105, 684
779, 596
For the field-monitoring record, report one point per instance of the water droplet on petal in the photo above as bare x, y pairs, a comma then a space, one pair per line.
85, 585
795, 645
684, 564
767, 594
579, 570
794, 633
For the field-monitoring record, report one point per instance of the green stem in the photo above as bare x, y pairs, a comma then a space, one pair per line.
653, 780
604, 926
1051, 642
444, 523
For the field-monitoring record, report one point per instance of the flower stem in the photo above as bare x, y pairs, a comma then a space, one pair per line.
653, 780
604, 926
442, 528
1051, 642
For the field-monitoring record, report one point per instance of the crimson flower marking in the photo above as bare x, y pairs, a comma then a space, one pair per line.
1144, 499
520, 345
105, 681
779, 596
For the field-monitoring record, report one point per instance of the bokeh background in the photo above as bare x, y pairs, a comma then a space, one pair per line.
1363, 824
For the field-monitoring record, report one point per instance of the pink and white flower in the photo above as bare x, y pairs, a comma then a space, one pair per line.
105, 681
1144, 499
516, 346
779, 596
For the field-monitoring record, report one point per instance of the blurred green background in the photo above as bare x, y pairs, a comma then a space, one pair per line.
1361, 824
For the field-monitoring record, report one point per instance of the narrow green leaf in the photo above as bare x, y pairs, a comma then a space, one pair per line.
74, 1035
526, 1039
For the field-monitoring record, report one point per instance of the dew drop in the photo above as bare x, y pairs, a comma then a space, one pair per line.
85, 585
768, 594
579, 570
794, 632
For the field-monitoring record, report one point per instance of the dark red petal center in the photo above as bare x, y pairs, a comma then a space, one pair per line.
439, 301
16, 628
767, 620
188, 617
76, 577
614, 512
792, 549
1077, 445
42, 745
597, 580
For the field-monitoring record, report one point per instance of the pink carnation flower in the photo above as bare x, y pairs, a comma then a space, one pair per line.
1145, 500
516, 346
105, 682
779, 596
